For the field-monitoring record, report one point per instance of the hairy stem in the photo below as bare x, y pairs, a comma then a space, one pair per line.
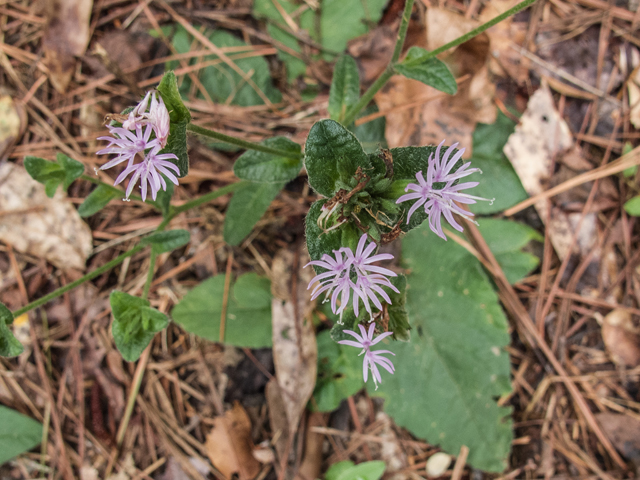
390, 70
402, 33
205, 132
89, 276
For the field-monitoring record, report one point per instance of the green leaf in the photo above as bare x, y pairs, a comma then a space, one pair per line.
339, 373
18, 434
180, 118
332, 153
430, 71
248, 322
498, 179
348, 471
345, 87
371, 134
134, 325
51, 174
448, 377
98, 199
167, 241
9, 345
506, 239
268, 168
246, 207
632, 207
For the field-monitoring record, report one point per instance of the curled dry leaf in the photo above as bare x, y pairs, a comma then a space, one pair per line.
13, 121
621, 338
295, 352
37, 225
538, 139
422, 115
66, 37
437, 464
229, 445
277, 416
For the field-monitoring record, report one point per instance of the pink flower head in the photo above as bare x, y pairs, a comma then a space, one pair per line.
441, 201
371, 358
337, 280
127, 145
148, 171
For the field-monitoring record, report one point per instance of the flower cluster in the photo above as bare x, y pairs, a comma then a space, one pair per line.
133, 138
371, 358
365, 282
440, 201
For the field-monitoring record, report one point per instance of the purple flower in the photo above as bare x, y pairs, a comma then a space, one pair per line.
148, 171
337, 280
440, 201
134, 138
371, 358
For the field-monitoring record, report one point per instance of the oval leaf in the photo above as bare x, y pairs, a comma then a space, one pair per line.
9, 345
417, 65
18, 434
167, 241
248, 322
51, 174
268, 168
98, 199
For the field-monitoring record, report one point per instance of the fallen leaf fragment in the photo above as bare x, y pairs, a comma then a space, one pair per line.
312, 459
624, 433
13, 121
541, 136
277, 416
437, 464
229, 445
40, 226
65, 37
295, 351
621, 338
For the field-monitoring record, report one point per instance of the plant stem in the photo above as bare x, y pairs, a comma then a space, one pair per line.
402, 33
205, 132
196, 202
89, 276
390, 70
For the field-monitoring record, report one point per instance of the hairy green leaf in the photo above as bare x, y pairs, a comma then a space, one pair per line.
134, 325
345, 87
51, 174
98, 199
9, 345
430, 71
347, 470
248, 320
167, 241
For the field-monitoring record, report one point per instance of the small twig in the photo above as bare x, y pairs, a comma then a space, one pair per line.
225, 296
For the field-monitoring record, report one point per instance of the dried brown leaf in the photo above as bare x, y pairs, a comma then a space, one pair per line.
229, 445
13, 120
295, 351
624, 433
312, 459
621, 338
48, 228
65, 37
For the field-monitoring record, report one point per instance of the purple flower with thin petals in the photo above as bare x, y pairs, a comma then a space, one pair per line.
148, 171
440, 201
126, 144
371, 358
337, 280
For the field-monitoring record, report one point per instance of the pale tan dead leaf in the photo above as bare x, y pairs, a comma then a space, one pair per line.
44, 227
504, 60
541, 136
13, 120
391, 452
66, 36
621, 338
295, 351
437, 464
229, 445
277, 416
624, 432
373, 51
421, 115
633, 86
87, 472
312, 458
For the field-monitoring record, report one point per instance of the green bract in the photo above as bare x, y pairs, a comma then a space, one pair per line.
180, 118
